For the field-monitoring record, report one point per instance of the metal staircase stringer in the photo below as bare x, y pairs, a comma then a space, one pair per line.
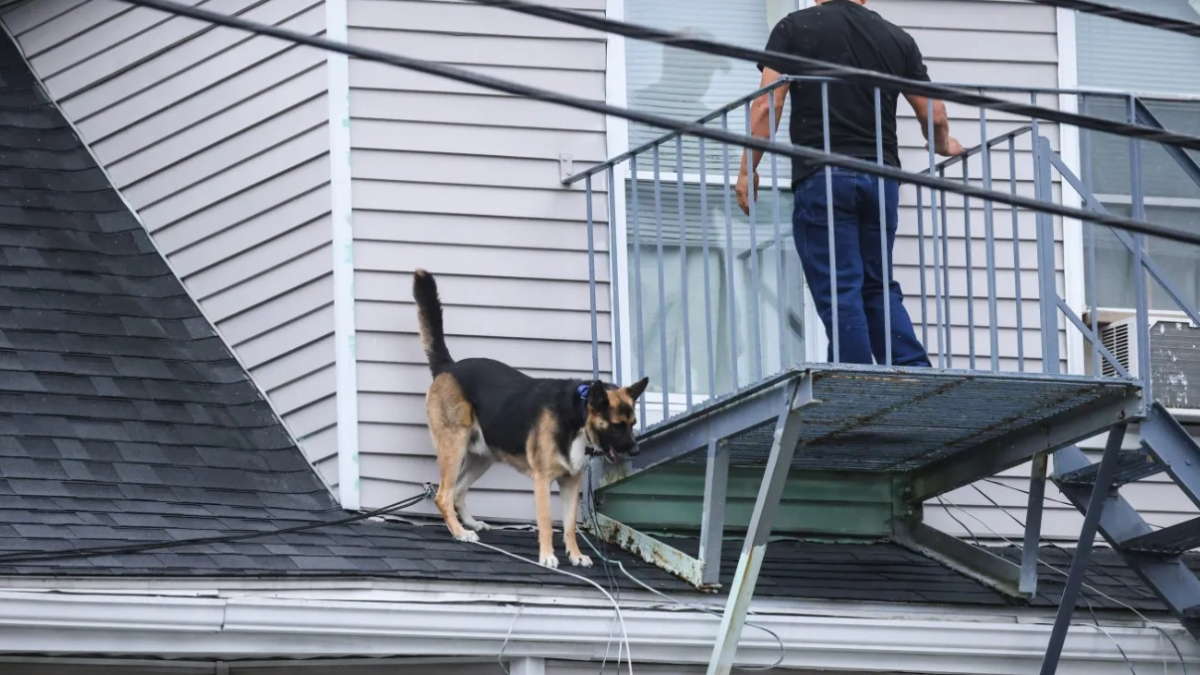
1164, 571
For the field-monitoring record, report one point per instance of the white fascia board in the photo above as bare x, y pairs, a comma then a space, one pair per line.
249, 627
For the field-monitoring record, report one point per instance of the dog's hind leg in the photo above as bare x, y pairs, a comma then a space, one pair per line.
474, 466
450, 422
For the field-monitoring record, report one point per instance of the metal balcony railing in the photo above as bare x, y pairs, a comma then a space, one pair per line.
715, 298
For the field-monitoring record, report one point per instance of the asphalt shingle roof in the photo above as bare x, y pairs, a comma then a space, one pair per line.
124, 418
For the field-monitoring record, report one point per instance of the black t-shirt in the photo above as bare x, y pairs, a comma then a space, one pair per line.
845, 33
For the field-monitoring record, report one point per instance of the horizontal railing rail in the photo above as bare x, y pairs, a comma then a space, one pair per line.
715, 295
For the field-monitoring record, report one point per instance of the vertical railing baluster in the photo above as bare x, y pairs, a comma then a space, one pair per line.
1139, 258
933, 225
683, 273
662, 283
946, 299
1093, 288
1016, 237
967, 238
708, 320
780, 258
924, 269
1047, 283
755, 319
885, 262
729, 270
833, 270
990, 237
592, 281
615, 284
637, 288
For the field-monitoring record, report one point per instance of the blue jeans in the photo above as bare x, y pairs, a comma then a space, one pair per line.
859, 266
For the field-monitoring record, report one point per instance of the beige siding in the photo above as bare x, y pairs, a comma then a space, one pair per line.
465, 183
220, 141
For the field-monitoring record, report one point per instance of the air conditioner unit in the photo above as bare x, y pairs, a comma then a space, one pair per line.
1174, 354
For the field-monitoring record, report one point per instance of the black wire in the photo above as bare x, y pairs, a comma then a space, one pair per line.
1127, 15
130, 549
793, 64
818, 158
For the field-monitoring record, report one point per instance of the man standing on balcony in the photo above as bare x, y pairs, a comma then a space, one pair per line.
847, 33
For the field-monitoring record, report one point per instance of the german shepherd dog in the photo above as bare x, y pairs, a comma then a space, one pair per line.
482, 411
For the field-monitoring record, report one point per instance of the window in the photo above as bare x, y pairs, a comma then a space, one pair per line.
684, 84
1161, 67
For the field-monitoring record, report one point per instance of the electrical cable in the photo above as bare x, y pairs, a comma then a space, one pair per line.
1127, 15
700, 607
802, 65
616, 605
130, 549
1072, 622
799, 152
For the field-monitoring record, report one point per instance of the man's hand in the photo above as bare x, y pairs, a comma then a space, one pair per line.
743, 189
948, 147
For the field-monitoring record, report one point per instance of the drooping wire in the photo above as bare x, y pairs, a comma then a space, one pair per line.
818, 158
18, 557
616, 605
1085, 585
701, 607
1127, 15
802, 65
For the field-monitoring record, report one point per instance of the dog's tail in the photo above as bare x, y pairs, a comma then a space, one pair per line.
429, 320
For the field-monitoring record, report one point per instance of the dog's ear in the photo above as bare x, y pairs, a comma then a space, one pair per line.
637, 388
597, 397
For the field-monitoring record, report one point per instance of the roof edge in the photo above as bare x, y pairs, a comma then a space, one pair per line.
261, 627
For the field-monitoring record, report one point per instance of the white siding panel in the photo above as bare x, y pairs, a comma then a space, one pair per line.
465, 183
219, 139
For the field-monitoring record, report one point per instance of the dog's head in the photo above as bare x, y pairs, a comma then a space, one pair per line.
611, 417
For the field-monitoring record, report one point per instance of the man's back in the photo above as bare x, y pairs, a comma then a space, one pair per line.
846, 33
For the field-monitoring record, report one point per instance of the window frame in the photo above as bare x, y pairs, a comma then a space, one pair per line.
1074, 259
617, 142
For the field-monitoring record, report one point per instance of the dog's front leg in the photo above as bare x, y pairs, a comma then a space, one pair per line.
541, 500
568, 492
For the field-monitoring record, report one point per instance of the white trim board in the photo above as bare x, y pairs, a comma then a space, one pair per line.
1074, 266
263, 627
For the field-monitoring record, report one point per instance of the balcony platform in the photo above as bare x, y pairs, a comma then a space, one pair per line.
872, 444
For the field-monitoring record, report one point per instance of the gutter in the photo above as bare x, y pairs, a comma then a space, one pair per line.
342, 247
132, 626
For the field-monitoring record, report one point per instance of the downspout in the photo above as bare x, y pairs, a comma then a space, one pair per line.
345, 364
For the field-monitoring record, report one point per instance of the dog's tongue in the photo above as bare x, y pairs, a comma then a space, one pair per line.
612, 454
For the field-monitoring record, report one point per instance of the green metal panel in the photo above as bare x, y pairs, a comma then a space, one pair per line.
669, 498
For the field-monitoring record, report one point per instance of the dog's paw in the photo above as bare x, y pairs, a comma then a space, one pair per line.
549, 560
468, 537
476, 525
581, 561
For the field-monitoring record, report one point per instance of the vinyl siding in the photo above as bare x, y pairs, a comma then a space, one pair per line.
465, 183
219, 140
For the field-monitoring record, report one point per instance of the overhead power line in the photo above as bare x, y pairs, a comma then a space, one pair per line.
802, 65
1127, 15
816, 157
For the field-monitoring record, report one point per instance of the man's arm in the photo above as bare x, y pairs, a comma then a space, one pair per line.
943, 143
760, 126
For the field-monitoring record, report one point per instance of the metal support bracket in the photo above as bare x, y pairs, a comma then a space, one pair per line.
1083, 550
798, 395
712, 526
1033, 526
650, 549
961, 557
566, 167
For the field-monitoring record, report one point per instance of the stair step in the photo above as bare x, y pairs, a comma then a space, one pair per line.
1171, 540
1132, 465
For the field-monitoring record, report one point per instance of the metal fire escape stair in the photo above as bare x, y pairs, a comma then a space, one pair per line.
1155, 555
